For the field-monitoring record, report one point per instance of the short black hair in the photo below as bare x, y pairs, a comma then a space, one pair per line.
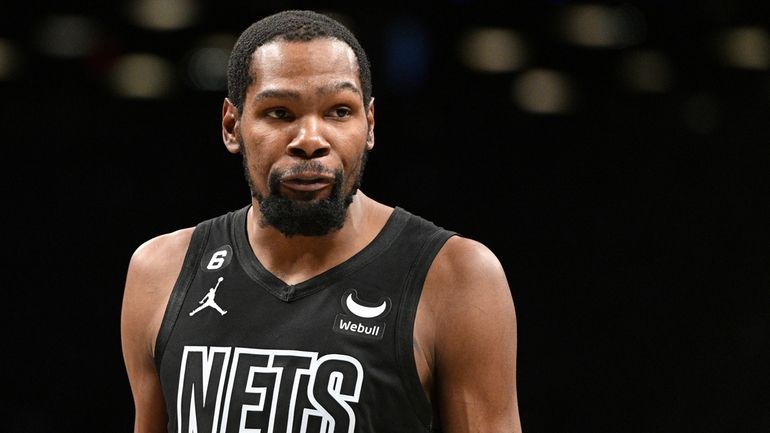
289, 25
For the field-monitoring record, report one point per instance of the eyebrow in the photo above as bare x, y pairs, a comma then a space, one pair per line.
338, 87
276, 93
293, 94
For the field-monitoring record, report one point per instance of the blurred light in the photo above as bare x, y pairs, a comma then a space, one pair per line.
142, 76
66, 36
543, 91
406, 54
746, 47
163, 14
492, 50
701, 113
9, 59
646, 71
207, 64
595, 25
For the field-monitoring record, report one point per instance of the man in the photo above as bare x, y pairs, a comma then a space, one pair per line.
342, 314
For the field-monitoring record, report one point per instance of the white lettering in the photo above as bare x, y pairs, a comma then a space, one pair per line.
195, 382
217, 259
359, 328
260, 390
344, 377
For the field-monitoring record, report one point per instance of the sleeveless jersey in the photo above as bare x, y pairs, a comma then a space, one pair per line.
239, 350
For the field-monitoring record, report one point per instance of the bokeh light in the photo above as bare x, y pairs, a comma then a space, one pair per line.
543, 91
745, 47
66, 35
9, 60
601, 26
647, 71
142, 75
493, 50
163, 14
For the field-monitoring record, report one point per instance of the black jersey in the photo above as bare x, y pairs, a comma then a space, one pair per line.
239, 350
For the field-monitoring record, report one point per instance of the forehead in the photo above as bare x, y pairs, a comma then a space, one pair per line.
297, 63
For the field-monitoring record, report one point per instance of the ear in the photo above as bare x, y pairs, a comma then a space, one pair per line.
370, 123
230, 127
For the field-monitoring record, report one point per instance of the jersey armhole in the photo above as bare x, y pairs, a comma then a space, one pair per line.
179, 292
405, 326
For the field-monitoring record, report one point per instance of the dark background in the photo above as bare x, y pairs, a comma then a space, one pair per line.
636, 247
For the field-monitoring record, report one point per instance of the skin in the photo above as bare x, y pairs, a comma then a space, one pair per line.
305, 104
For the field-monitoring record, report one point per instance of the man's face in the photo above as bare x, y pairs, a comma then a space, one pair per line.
304, 134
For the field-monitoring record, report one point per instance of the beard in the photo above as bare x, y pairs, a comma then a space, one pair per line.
306, 217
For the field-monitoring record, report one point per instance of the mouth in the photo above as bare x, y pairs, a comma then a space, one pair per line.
307, 182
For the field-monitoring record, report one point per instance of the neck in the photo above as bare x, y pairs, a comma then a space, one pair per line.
297, 258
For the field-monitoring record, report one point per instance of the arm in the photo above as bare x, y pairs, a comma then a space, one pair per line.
474, 340
151, 275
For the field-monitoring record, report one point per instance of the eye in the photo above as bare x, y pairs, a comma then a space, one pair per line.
341, 112
278, 113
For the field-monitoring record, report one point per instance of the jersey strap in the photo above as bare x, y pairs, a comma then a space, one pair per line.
179, 292
405, 327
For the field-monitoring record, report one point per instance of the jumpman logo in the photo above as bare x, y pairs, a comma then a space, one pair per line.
208, 300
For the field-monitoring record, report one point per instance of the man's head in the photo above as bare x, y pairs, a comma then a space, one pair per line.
302, 117
290, 25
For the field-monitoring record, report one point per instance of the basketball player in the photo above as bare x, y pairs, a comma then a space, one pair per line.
343, 314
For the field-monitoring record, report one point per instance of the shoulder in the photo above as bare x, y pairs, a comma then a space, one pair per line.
473, 338
466, 294
160, 246
470, 269
461, 252
153, 256
152, 272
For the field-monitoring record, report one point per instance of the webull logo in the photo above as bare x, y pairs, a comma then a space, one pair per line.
346, 325
363, 318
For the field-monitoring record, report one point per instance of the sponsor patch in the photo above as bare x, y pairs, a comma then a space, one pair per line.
351, 325
362, 318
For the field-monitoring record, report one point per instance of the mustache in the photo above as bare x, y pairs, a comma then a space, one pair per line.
303, 167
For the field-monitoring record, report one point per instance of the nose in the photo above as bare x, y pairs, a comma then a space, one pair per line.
310, 141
